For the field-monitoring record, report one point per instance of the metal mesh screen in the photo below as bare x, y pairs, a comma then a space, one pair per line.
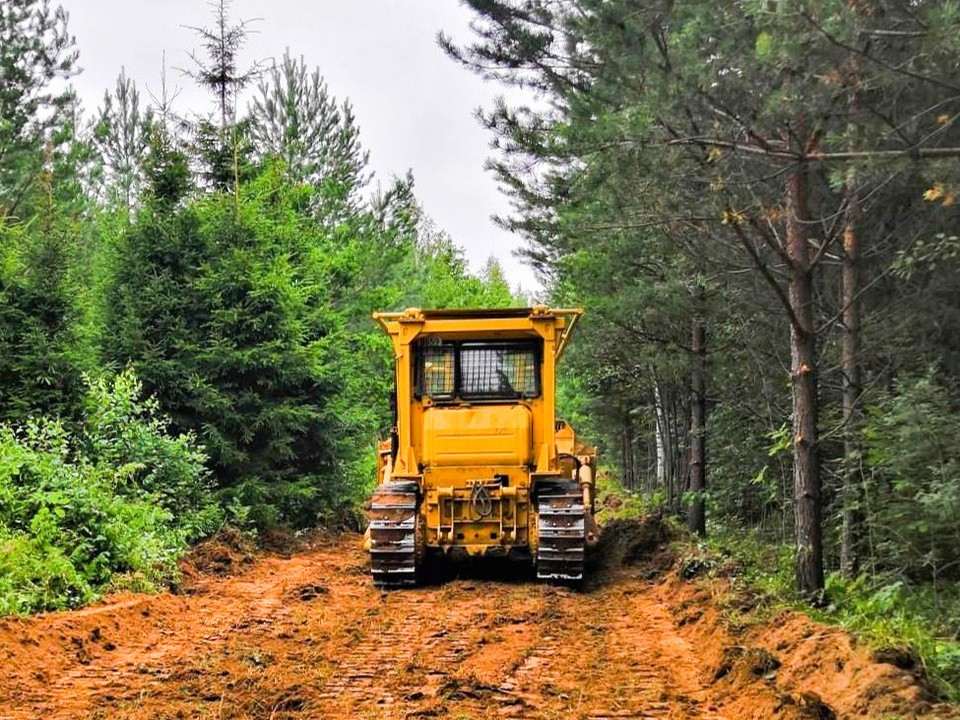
498, 371
436, 371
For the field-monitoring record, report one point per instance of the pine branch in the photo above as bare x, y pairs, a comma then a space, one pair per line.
820, 157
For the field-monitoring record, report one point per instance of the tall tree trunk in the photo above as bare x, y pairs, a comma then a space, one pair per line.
806, 464
851, 530
697, 519
663, 458
629, 466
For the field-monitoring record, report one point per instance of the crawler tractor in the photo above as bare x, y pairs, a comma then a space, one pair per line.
476, 463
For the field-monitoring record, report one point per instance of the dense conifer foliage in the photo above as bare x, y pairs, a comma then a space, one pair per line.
757, 201
185, 300
764, 176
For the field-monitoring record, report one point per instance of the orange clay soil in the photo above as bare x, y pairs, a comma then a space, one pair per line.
306, 636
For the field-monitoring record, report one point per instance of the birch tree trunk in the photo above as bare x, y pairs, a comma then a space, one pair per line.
662, 442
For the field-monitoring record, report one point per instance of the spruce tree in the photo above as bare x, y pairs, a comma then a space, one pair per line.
221, 140
227, 314
41, 357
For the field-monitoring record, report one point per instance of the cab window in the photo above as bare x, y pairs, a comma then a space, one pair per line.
505, 370
477, 370
436, 370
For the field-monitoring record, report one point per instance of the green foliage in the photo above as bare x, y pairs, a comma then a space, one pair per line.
78, 508
226, 312
167, 170
440, 279
912, 445
121, 139
888, 612
36, 52
124, 430
615, 502
650, 189
762, 563
221, 142
40, 358
294, 118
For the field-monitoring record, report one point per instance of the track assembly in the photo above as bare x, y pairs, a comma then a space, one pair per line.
561, 526
393, 535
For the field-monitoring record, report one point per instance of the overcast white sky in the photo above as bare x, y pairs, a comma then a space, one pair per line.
415, 107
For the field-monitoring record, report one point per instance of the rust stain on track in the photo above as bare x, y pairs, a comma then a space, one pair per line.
309, 637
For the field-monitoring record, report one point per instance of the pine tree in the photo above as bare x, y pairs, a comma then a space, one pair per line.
295, 118
36, 55
121, 137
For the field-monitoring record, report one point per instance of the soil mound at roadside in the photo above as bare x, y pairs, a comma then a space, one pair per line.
636, 540
226, 553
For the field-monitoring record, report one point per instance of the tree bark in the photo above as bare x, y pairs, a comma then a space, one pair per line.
697, 518
629, 472
851, 530
662, 441
806, 464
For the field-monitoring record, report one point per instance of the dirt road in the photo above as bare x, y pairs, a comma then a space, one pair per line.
307, 636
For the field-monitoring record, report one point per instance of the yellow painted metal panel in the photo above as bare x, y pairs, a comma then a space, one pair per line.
477, 435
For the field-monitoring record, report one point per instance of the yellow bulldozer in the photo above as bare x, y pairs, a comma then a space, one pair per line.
476, 463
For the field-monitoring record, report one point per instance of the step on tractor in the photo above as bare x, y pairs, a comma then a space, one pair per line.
476, 463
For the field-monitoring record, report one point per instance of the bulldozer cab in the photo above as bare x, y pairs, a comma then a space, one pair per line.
453, 366
477, 448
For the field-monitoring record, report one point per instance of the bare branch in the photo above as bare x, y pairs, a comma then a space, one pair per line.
768, 276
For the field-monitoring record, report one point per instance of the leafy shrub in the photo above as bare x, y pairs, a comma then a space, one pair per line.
912, 440
76, 509
126, 432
